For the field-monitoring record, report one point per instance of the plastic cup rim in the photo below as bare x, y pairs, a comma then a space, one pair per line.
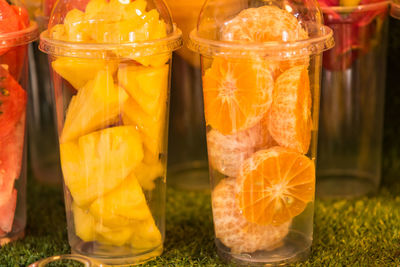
21, 37
88, 50
363, 7
305, 47
395, 10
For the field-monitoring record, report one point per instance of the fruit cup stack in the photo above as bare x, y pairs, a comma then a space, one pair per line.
111, 68
261, 71
16, 32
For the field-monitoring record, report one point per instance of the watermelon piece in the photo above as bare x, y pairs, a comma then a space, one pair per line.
8, 22
12, 102
7, 212
22, 15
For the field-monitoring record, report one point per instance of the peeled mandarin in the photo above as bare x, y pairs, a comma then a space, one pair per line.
290, 122
275, 185
232, 228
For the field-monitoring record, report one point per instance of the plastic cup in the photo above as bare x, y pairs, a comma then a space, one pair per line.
352, 101
395, 9
44, 155
14, 90
187, 161
261, 95
111, 85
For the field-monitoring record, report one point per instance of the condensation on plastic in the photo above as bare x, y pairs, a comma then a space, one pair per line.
206, 39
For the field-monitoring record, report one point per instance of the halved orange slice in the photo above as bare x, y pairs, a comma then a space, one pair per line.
275, 185
236, 94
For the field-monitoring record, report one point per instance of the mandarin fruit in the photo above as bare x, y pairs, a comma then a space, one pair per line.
275, 185
226, 153
237, 94
234, 231
263, 24
290, 121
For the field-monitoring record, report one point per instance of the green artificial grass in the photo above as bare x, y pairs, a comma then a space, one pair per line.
361, 232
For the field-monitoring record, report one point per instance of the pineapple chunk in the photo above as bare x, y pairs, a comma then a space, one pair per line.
94, 7
78, 71
150, 127
147, 173
127, 201
146, 235
76, 26
84, 224
113, 236
96, 106
98, 162
148, 86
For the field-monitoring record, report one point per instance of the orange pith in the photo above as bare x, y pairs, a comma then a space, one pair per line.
275, 185
290, 121
236, 94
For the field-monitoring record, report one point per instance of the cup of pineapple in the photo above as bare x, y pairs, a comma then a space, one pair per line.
110, 67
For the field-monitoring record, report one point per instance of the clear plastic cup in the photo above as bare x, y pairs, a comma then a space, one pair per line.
16, 32
110, 67
261, 67
44, 155
352, 101
187, 161
395, 9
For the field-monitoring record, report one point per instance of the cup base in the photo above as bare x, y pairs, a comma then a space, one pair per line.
189, 176
111, 258
13, 236
295, 248
344, 184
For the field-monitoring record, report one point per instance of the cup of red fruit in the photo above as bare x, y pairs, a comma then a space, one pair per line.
16, 32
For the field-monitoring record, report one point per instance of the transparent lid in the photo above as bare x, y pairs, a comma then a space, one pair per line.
243, 28
102, 28
15, 26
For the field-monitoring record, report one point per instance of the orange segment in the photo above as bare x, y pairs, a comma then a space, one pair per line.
264, 24
232, 228
236, 94
290, 114
275, 185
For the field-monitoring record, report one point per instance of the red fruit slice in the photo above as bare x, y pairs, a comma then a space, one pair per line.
8, 22
7, 212
12, 102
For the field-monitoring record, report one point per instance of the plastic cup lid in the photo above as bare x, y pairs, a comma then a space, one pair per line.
20, 37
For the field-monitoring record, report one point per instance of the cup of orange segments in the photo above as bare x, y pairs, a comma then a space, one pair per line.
261, 69
110, 65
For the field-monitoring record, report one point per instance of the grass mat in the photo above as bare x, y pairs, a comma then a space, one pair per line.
361, 232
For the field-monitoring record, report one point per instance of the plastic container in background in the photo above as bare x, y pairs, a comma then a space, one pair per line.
352, 101
43, 140
16, 32
261, 75
187, 150
110, 64
395, 9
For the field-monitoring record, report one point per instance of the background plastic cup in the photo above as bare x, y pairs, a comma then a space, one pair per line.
261, 99
44, 156
187, 160
395, 9
352, 101
112, 117
14, 90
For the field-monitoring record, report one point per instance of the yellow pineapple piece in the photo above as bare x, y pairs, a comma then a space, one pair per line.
147, 85
150, 127
116, 236
78, 71
146, 235
96, 106
58, 32
147, 173
134, 9
76, 26
127, 201
84, 224
94, 7
98, 162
